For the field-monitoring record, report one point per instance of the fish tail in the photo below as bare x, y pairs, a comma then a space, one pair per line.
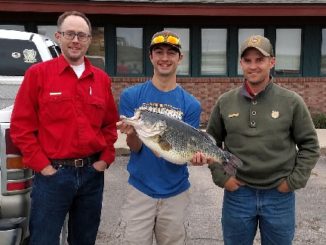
231, 163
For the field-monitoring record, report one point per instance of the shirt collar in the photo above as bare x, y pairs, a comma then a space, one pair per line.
63, 65
247, 91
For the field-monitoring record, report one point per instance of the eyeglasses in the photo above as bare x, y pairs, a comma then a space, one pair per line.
166, 39
70, 35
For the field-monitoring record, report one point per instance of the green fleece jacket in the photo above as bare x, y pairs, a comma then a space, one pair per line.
272, 133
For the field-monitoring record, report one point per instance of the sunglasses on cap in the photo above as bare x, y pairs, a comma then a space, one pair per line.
169, 39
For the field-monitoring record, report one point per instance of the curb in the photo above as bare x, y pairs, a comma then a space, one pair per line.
122, 151
323, 151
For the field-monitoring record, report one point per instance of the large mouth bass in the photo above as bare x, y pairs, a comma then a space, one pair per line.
175, 140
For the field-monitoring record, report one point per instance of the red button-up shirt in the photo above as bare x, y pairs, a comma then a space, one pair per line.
57, 115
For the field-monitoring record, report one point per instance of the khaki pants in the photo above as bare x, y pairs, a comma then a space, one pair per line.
145, 216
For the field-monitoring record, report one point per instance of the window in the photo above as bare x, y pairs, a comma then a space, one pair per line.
213, 51
48, 31
243, 35
183, 33
96, 51
129, 51
288, 51
13, 27
17, 56
323, 53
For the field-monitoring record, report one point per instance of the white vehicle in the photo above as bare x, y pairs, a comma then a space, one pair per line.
18, 51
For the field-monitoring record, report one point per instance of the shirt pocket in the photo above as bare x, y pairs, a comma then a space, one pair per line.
58, 108
95, 110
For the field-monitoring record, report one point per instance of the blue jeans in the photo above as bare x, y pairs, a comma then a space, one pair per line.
246, 208
78, 191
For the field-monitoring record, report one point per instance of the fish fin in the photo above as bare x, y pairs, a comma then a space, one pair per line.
166, 146
231, 163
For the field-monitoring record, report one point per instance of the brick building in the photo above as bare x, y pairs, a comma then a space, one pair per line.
211, 31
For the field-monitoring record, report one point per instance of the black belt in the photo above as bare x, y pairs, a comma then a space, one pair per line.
76, 162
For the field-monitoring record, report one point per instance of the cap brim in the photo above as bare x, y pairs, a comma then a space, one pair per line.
168, 44
259, 49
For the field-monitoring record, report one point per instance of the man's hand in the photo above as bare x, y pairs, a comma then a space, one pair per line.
200, 159
283, 187
125, 128
233, 184
48, 170
133, 140
100, 165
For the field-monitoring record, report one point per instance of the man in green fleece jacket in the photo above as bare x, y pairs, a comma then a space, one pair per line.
270, 129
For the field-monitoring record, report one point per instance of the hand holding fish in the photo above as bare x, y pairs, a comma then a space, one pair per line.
200, 159
133, 140
125, 128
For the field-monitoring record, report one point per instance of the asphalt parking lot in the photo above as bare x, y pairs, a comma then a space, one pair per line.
204, 211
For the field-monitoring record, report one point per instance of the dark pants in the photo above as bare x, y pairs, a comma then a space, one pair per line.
78, 191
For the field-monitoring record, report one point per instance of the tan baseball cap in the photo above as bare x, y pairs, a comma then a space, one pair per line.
262, 44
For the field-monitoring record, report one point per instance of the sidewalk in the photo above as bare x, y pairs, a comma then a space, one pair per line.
322, 140
204, 211
203, 217
122, 148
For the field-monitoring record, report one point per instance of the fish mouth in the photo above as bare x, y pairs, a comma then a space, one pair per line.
144, 128
133, 121
133, 118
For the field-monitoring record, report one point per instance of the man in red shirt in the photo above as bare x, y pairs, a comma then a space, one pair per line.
64, 122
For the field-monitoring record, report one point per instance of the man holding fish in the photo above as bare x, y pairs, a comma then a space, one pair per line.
157, 194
